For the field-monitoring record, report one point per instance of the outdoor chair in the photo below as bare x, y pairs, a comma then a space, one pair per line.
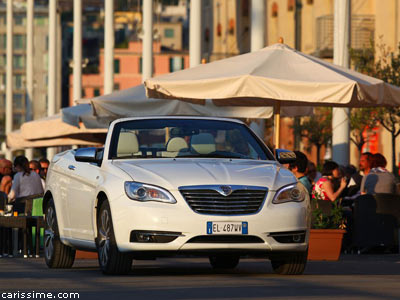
372, 228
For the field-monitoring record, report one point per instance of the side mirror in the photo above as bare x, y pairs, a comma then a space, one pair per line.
285, 156
89, 155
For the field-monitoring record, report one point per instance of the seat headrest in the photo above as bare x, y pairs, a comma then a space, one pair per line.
127, 143
203, 143
176, 144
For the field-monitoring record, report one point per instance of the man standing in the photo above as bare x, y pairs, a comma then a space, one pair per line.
44, 164
299, 168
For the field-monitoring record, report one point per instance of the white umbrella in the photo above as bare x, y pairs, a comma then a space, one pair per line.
54, 127
133, 102
83, 114
15, 140
51, 132
276, 75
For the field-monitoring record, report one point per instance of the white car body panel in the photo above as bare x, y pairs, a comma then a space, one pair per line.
75, 196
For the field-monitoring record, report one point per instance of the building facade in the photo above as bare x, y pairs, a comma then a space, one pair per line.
40, 62
128, 68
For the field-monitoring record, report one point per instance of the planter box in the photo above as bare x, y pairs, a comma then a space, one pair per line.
85, 255
325, 244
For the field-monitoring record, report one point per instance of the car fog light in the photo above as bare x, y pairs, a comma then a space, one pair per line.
144, 236
296, 238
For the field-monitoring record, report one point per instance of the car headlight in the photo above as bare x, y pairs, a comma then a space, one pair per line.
145, 192
290, 193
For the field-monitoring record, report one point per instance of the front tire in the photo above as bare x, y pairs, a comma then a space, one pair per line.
111, 260
57, 255
290, 263
224, 261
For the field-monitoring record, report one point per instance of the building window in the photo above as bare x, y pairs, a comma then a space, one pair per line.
274, 10
19, 61
19, 81
116, 86
207, 35
2, 102
3, 60
18, 119
245, 8
96, 92
19, 41
310, 2
176, 63
3, 41
41, 21
116, 66
141, 66
19, 20
231, 29
219, 29
18, 101
169, 32
290, 5
3, 20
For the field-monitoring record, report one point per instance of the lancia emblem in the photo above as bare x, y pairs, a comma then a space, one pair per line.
225, 190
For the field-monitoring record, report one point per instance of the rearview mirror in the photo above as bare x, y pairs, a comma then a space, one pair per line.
87, 155
285, 156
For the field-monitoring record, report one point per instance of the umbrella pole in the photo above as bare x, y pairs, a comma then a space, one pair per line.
277, 123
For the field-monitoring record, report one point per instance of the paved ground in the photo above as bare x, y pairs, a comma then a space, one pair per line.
353, 277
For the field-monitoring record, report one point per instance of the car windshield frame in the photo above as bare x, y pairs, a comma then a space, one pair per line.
219, 124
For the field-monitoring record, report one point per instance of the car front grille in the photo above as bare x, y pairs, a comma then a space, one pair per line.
208, 200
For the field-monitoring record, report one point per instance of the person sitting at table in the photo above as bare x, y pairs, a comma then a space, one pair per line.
299, 168
5, 175
323, 189
26, 182
379, 180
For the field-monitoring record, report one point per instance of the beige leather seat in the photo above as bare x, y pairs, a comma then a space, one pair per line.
175, 145
128, 144
203, 143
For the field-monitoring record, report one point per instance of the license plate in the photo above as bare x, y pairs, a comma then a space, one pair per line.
227, 228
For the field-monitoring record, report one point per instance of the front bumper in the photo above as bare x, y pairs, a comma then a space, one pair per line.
129, 215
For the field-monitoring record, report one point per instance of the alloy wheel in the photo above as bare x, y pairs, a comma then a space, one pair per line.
104, 237
49, 233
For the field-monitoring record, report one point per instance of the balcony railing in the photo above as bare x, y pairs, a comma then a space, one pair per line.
362, 33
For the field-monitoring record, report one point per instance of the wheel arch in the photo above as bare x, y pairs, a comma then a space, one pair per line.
101, 197
46, 199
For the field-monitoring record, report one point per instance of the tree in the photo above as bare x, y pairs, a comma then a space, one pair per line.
362, 120
316, 129
387, 68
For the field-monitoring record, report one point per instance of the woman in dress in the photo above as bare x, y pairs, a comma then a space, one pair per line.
323, 188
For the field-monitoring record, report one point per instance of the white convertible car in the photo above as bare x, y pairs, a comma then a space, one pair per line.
165, 186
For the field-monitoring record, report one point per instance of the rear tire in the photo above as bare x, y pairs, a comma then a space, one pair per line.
57, 255
290, 263
224, 261
111, 260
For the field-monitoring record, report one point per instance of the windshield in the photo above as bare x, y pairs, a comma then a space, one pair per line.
183, 138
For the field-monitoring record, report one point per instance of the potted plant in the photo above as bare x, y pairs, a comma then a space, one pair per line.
327, 229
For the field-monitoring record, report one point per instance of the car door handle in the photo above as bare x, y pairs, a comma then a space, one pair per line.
71, 167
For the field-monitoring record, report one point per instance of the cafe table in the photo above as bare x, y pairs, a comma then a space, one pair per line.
26, 223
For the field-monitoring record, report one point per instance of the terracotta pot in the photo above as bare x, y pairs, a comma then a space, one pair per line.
85, 255
325, 244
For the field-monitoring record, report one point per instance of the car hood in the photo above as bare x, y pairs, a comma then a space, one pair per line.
174, 173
